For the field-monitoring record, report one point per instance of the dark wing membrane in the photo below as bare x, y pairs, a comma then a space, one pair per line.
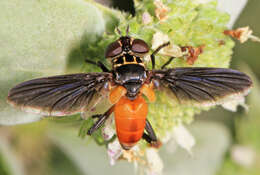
59, 95
206, 86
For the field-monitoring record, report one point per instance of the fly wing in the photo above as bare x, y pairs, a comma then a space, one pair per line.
59, 95
204, 86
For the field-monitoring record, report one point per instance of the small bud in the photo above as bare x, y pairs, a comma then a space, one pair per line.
221, 43
192, 53
134, 155
129, 155
171, 50
244, 156
108, 131
146, 18
161, 10
242, 34
158, 39
114, 151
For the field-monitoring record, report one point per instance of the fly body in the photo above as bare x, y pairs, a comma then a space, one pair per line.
132, 77
130, 117
130, 73
128, 66
131, 81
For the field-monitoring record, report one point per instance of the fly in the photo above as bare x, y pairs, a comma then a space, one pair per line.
126, 84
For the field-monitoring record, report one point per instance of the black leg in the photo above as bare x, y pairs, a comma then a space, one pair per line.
151, 137
150, 131
147, 138
99, 64
168, 62
156, 51
101, 120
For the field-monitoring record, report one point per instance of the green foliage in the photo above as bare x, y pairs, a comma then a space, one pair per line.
41, 38
3, 167
231, 168
248, 125
247, 133
53, 37
188, 23
57, 40
44, 38
85, 126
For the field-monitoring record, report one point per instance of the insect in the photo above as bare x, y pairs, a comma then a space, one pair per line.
125, 85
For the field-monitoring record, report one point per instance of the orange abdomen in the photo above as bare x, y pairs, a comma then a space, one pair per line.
130, 119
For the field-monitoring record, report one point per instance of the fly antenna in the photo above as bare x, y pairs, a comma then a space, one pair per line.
127, 30
118, 31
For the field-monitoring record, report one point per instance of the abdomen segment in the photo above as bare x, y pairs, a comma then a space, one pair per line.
130, 116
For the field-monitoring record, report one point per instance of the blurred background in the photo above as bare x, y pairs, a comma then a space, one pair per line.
228, 143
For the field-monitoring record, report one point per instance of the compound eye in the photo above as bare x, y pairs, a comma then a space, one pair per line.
139, 46
113, 49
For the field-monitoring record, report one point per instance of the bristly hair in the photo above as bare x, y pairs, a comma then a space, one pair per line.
118, 31
127, 30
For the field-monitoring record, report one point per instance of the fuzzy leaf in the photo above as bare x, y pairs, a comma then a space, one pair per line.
44, 38
233, 7
212, 140
90, 159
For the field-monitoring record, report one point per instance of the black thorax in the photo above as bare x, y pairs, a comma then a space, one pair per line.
129, 74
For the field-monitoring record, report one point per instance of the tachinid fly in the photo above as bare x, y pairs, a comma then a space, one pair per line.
126, 84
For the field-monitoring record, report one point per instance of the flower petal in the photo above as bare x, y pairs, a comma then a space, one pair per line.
114, 151
155, 164
183, 137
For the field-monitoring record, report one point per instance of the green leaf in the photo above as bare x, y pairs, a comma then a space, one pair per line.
212, 141
247, 133
87, 156
190, 24
43, 38
9, 163
247, 126
85, 126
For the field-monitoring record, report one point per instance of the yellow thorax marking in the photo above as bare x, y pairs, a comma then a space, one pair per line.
126, 62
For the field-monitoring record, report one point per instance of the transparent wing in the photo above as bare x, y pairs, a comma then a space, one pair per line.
59, 95
205, 86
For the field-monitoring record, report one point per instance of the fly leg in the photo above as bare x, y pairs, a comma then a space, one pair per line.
150, 137
156, 51
99, 64
168, 62
101, 120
